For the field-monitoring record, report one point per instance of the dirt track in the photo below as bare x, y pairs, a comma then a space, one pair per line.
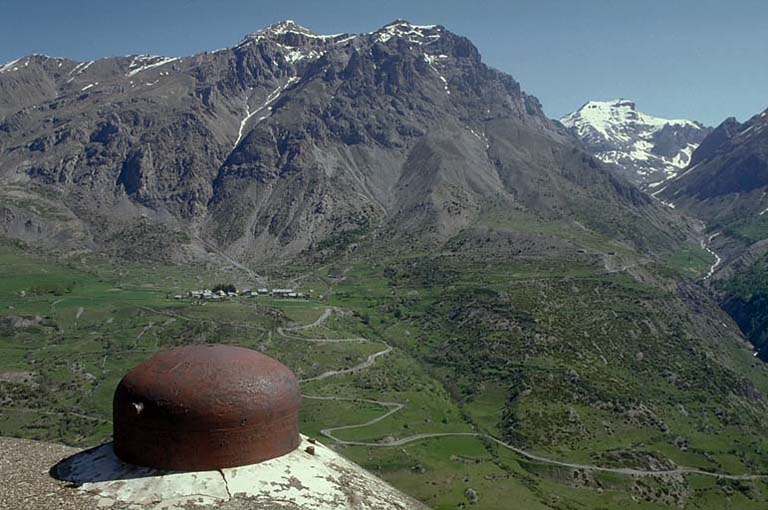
394, 407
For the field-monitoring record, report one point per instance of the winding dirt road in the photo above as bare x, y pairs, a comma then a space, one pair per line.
394, 407
369, 361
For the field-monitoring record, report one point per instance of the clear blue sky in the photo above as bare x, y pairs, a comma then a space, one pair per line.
699, 59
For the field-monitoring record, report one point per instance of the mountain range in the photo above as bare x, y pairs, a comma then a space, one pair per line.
288, 140
554, 285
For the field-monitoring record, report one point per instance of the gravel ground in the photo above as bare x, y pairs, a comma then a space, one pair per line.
26, 484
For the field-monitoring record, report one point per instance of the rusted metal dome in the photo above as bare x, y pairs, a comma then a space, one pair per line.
206, 407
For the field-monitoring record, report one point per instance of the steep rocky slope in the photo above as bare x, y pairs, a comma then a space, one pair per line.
289, 140
728, 175
726, 186
645, 149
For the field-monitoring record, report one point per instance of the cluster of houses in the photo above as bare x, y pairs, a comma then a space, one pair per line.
220, 294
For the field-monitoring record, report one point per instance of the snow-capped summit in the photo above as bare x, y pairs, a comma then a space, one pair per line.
287, 27
416, 34
297, 42
649, 149
287, 32
604, 116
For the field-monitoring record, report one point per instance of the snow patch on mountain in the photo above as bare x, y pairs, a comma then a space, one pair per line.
416, 34
604, 116
299, 43
345, 39
293, 55
279, 30
431, 60
651, 149
282, 31
288, 26
271, 98
296, 42
143, 62
10, 66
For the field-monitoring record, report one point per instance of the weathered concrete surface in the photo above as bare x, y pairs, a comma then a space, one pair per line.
96, 478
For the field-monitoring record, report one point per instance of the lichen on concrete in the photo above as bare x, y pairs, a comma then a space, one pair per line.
298, 480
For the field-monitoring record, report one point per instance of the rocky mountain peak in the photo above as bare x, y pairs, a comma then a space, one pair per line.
606, 118
416, 34
285, 26
24, 62
731, 166
646, 149
723, 133
290, 35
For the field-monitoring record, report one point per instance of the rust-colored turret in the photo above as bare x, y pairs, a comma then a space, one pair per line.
206, 407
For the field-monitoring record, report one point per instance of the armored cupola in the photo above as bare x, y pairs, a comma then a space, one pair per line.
206, 407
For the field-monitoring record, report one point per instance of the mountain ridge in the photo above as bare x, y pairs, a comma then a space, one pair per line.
325, 133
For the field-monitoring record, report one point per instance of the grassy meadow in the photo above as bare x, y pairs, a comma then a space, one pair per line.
561, 357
